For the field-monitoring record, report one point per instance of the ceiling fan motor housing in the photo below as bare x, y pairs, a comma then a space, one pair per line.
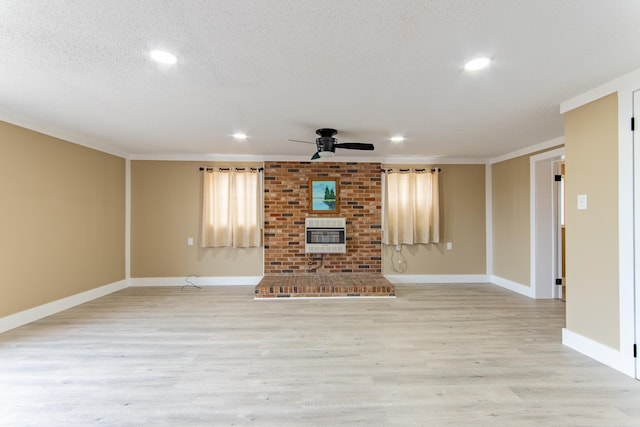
326, 144
326, 141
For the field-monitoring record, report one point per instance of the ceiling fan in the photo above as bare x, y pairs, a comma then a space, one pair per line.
326, 144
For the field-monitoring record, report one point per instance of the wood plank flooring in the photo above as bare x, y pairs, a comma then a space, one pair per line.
437, 355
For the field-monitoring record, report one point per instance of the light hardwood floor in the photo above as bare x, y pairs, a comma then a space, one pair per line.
452, 355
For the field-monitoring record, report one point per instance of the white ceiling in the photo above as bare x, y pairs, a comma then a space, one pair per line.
279, 69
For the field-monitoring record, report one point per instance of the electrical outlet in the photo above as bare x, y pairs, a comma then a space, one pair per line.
189, 241
449, 246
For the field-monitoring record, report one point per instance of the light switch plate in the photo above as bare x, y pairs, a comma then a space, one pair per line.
582, 202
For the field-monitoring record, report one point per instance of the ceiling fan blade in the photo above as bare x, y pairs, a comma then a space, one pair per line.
315, 156
297, 140
354, 145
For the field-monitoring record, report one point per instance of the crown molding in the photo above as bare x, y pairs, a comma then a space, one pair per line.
528, 150
294, 158
629, 80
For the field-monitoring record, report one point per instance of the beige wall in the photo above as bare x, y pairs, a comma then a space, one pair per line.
591, 140
511, 219
462, 215
62, 220
79, 244
166, 200
166, 210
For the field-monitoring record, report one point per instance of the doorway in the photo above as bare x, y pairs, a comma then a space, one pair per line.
546, 225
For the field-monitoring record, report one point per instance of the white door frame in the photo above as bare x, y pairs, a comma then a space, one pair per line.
558, 212
635, 112
543, 220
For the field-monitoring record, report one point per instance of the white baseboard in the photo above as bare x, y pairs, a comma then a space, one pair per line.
512, 286
600, 352
200, 281
437, 278
36, 313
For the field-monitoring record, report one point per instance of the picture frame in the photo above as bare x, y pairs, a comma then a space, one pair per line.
324, 195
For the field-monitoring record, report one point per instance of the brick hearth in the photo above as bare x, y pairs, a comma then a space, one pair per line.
324, 285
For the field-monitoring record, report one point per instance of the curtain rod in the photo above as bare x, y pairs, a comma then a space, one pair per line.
210, 169
410, 170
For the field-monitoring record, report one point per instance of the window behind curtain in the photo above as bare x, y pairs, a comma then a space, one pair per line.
231, 209
411, 208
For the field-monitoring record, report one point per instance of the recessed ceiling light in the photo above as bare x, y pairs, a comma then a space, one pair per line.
397, 138
239, 136
477, 63
163, 57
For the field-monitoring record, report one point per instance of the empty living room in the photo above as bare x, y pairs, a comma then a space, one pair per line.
318, 213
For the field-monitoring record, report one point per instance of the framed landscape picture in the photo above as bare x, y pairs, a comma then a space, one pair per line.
323, 195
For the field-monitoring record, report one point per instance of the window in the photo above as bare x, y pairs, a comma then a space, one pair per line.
411, 207
232, 208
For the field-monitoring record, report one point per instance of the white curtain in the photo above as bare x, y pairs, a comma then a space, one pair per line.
412, 208
232, 209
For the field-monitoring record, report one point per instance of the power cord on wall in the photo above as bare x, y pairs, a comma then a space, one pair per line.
398, 261
189, 282
310, 260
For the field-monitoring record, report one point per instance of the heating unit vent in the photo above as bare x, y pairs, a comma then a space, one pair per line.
325, 235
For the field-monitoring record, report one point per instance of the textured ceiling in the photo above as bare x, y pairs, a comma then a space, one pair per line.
279, 69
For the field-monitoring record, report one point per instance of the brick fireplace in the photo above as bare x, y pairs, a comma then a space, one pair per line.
286, 205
